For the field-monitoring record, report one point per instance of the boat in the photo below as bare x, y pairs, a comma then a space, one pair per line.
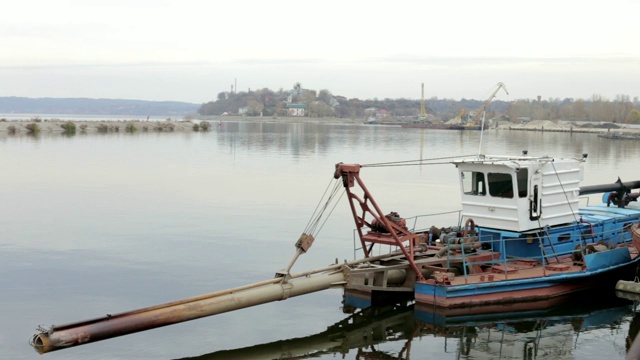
525, 244
521, 242
441, 126
383, 121
371, 120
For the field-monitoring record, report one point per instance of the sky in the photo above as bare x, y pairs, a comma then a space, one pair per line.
191, 50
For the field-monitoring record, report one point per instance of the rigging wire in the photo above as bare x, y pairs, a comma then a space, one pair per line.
417, 161
330, 212
313, 224
316, 223
317, 215
564, 192
315, 211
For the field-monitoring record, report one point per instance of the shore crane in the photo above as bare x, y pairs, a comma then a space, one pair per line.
481, 110
423, 111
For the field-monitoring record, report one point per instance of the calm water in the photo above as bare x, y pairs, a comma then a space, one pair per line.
105, 223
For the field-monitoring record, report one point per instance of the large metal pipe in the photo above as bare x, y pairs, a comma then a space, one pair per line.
617, 186
63, 336
280, 288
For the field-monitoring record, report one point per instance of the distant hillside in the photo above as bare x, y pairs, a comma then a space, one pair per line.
85, 106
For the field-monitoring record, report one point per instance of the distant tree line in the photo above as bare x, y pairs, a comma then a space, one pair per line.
319, 104
619, 110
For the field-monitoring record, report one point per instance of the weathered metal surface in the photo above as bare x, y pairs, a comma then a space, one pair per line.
63, 336
396, 234
519, 296
617, 186
628, 286
73, 334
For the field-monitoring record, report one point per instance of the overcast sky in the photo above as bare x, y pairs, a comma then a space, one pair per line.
191, 50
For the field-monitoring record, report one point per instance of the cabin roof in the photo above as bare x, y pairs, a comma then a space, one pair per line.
511, 161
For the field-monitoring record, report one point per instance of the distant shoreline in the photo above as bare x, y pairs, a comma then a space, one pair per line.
56, 126
16, 127
46, 125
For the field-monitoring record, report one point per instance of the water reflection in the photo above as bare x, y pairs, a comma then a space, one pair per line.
100, 223
397, 331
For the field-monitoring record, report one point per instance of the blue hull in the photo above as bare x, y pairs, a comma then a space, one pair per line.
516, 295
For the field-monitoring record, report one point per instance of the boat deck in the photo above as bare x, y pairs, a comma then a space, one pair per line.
483, 267
518, 270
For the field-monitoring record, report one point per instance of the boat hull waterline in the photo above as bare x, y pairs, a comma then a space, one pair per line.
525, 294
532, 243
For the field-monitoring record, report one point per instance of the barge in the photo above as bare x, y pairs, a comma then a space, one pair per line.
525, 244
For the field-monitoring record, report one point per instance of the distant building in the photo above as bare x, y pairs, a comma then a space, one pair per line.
377, 113
295, 109
382, 113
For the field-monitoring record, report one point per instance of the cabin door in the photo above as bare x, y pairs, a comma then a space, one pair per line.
535, 199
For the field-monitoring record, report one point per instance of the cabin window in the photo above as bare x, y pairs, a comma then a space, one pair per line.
521, 177
500, 185
473, 183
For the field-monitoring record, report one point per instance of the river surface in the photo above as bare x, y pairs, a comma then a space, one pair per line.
99, 224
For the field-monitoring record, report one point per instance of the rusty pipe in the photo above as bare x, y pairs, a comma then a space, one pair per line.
617, 186
68, 335
64, 336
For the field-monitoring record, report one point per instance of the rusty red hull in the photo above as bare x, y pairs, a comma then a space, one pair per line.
496, 309
515, 295
504, 301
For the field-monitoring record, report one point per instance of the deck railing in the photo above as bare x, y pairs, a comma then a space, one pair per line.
549, 253
550, 248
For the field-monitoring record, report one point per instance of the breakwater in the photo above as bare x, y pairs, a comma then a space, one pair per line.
566, 127
16, 127
53, 126
36, 125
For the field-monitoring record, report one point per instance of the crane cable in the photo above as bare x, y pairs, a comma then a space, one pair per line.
418, 161
316, 222
311, 230
321, 207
